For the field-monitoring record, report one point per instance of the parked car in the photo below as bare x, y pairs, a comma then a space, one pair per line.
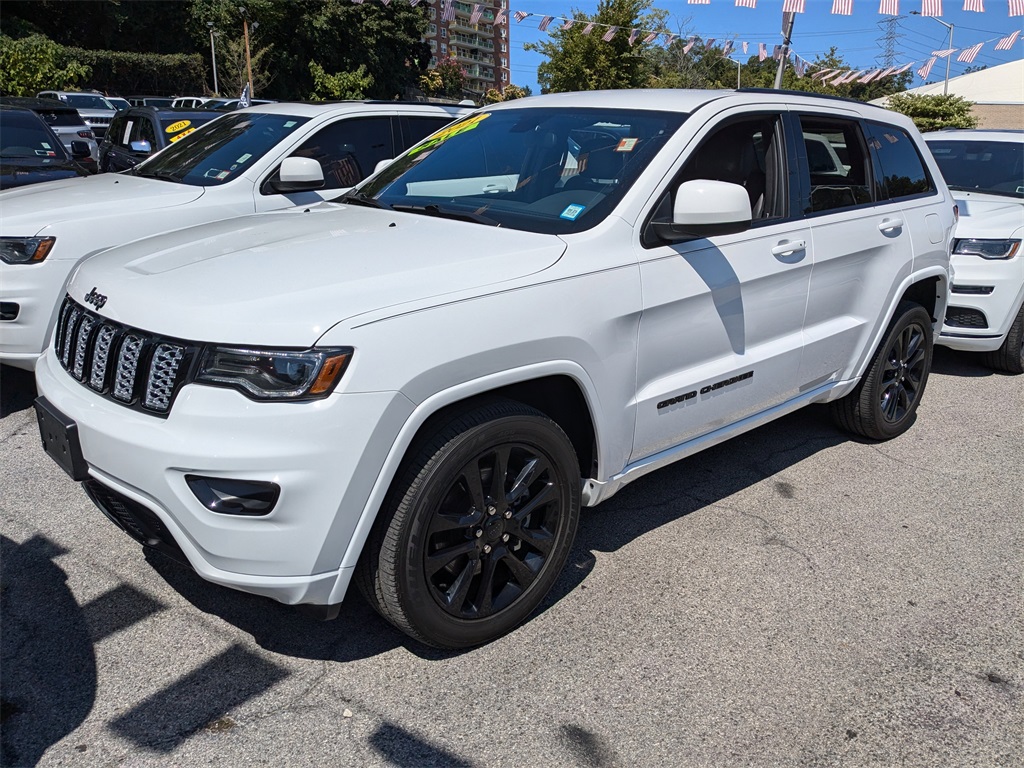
118, 102
150, 101
226, 105
64, 121
140, 132
985, 170
189, 102
31, 153
418, 386
260, 159
93, 107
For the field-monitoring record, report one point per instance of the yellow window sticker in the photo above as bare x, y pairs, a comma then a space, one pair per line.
178, 126
626, 145
181, 135
452, 130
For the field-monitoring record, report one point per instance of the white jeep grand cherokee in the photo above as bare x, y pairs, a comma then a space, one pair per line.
420, 385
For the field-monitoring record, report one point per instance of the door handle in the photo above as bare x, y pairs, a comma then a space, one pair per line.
890, 224
788, 247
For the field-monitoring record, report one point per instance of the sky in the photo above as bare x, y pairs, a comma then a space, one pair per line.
857, 37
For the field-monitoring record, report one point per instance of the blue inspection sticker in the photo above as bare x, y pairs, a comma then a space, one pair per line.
571, 212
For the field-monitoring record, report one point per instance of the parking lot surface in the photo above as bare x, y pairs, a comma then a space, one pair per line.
794, 598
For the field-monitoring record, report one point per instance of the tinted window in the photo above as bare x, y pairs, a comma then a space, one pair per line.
87, 101
22, 135
838, 168
903, 171
349, 150
220, 150
418, 128
116, 133
993, 167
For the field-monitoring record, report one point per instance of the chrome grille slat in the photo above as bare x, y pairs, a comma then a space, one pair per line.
137, 369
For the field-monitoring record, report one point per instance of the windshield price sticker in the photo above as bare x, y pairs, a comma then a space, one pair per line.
572, 211
626, 145
178, 126
181, 135
453, 130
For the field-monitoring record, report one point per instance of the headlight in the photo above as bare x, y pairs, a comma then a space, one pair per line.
987, 249
25, 250
274, 374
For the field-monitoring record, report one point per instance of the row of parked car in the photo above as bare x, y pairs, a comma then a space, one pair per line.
118, 133
411, 373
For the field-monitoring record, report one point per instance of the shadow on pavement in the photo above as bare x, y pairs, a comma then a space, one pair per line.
17, 390
952, 362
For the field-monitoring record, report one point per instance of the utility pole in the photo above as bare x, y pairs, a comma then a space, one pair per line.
739, 68
213, 57
949, 56
787, 36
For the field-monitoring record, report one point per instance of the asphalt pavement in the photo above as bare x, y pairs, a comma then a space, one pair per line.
792, 598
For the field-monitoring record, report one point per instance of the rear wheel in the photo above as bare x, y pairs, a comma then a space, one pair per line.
477, 528
885, 401
1009, 358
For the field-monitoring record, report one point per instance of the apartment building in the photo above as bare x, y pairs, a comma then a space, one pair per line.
474, 40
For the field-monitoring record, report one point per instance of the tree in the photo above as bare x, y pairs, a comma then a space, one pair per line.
579, 62
448, 79
36, 63
232, 70
342, 85
931, 113
701, 67
508, 93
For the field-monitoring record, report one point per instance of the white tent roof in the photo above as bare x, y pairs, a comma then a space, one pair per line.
1002, 84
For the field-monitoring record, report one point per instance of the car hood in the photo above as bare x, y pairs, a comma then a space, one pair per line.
284, 278
19, 175
988, 216
26, 211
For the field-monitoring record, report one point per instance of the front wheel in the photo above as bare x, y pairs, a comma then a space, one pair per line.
1009, 358
477, 528
884, 403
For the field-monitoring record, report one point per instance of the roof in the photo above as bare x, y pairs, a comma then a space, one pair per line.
30, 102
315, 110
970, 134
1002, 84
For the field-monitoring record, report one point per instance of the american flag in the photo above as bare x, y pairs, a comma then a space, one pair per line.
838, 78
1007, 42
746, 3
968, 55
651, 37
822, 74
414, 3
568, 23
842, 7
800, 67
889, 7
927, 68
746, 46
478, 11
607, 36
688, 46
669, 37
543, 26
708, 43
727, 47
448, 10
501, 16
777, 53
1017, 7
793, 6
903, 69
974, 5
633, 35
589, 28
931, 8
870, 76
852, 76
385, 2
944, 52
700, 2
520, 15
762, 51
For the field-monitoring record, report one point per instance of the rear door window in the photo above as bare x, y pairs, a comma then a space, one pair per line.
838, 168
904, 173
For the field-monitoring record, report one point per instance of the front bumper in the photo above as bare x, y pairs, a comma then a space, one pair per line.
325, 456
35, 289
983, 302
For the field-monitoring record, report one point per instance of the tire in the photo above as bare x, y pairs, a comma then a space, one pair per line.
477, 528
1009, 358
884, 403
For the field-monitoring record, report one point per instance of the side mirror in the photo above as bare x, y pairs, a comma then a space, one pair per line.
705, 208
141, 147
381, 165
79, 150
299, 174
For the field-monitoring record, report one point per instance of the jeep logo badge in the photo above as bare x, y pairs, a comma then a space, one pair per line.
96, 299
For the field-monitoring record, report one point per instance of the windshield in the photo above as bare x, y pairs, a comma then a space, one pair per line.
221, 150
992, 167
23, 136
87, 101
551, 170
119, 104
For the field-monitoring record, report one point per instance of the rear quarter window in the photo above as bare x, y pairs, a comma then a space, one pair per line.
904, 173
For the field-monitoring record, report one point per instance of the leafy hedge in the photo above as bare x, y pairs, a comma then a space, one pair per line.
124, 73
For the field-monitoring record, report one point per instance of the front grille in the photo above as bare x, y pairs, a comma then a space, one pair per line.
138, 521
965, 317
130, 366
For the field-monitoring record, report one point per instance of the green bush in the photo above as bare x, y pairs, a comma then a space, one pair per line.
125, 72
36, 63
931, 113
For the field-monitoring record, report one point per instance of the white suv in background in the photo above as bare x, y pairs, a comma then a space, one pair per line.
417, 387
258, 159
985, 171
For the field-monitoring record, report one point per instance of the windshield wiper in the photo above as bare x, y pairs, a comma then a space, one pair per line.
447, 213
361, 198
162, 175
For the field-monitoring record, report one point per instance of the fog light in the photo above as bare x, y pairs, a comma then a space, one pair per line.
250, 498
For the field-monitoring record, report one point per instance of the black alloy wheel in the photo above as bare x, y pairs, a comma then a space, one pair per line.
479, 527
883, 405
